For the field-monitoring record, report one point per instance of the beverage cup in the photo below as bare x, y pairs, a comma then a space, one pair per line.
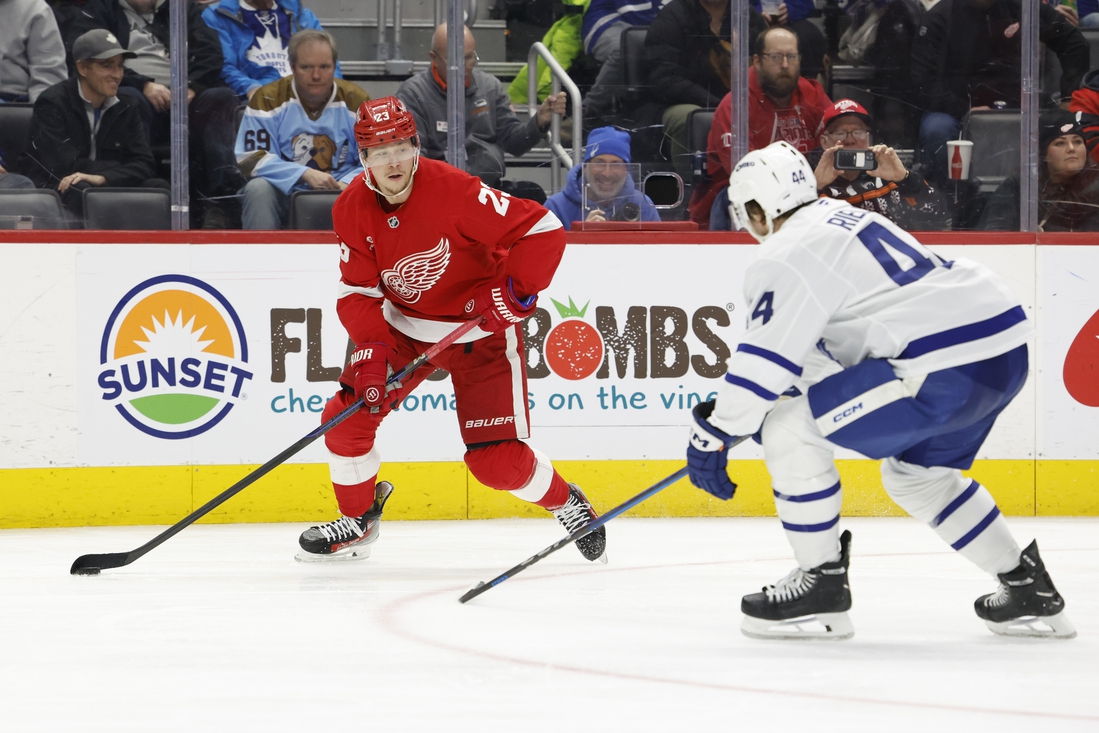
958, 155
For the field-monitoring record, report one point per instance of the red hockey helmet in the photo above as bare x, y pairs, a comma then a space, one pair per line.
384, 120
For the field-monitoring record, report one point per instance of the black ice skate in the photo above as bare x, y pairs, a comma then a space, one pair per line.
347, 538
574, 514
1026, 603
805, 604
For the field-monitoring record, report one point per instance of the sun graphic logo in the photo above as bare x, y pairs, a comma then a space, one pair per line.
174, 357
573, 348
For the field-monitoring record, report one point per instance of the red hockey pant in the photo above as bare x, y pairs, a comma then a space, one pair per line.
490, 390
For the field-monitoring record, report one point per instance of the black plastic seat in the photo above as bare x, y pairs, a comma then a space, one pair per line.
127, 208
31, 208
15, 125
312, 209
699, 122
995, 136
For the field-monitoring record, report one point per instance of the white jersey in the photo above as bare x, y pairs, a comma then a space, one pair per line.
838, 285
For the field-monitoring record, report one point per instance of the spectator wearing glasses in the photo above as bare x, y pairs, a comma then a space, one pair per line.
783, 105
298, 133
890, 189
611, 193
492, 128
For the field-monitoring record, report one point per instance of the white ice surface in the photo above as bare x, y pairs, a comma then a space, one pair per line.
220, 630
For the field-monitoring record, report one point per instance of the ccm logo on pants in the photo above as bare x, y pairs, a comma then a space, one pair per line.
489, 422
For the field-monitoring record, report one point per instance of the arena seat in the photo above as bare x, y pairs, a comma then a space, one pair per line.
33, 208
634, 78
127, 208
15, 125
995, 136
312, 209
699, 122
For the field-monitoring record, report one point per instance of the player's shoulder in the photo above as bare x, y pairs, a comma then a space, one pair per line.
825, 219
352, 202
439, 176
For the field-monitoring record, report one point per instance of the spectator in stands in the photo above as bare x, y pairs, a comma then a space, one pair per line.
794, 16
32, 56
141, 27
492, 128
604, 22
611, 194
687, 58
966, 57
255, 40
890, 189
1086, 101
298, 133
83, 134
1068, 182
783, 105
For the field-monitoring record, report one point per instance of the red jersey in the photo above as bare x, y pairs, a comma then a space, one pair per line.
417, 268
799, 124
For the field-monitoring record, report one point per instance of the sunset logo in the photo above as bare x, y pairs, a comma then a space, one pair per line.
174, 357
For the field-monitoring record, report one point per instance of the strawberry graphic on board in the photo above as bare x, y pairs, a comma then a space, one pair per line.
1081, 371
573, 348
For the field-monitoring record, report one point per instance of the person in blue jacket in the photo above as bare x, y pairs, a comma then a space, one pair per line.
255, 35
611, 192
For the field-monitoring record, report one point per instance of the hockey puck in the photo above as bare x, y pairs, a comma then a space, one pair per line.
86, 571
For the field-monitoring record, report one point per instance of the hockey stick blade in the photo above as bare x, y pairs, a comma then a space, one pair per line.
584, 531
92, 564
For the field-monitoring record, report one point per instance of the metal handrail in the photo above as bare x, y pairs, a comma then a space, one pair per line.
560, 76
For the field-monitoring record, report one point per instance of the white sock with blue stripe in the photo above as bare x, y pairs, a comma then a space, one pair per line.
805, 482
960, 510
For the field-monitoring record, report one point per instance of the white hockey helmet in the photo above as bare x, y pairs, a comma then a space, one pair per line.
778, 178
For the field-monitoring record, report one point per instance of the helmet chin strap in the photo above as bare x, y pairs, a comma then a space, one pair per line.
370, 184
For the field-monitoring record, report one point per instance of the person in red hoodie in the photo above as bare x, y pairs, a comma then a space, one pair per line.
783, 105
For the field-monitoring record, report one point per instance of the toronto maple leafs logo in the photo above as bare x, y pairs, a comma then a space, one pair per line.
416, 273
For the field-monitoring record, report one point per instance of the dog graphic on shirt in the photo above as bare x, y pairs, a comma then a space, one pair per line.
313, 151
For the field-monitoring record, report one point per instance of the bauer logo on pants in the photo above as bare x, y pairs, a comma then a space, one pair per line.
174, 357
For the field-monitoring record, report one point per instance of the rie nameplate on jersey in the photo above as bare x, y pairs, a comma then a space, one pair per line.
394, 222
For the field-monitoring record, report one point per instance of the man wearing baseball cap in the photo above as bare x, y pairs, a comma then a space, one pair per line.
890, 189
83, 134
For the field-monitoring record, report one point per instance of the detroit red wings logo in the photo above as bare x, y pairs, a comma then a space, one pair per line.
416, 273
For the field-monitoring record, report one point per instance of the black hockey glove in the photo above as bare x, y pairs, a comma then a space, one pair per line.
706, 454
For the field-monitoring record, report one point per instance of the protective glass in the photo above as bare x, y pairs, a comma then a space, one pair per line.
609, 195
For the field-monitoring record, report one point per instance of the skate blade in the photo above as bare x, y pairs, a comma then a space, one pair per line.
1036, 627
358, 552
826, 626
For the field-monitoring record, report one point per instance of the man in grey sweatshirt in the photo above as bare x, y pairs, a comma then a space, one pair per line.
492, 128
32, 56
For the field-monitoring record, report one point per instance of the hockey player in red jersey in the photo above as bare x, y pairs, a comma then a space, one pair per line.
424, 247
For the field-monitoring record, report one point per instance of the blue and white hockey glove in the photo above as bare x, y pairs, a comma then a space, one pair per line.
706, 454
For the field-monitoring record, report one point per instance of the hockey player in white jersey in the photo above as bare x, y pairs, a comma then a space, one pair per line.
892, 352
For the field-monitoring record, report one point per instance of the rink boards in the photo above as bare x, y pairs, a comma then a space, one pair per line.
143, 373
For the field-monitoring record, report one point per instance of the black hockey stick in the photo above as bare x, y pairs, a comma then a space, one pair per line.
585, 530
92, 564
